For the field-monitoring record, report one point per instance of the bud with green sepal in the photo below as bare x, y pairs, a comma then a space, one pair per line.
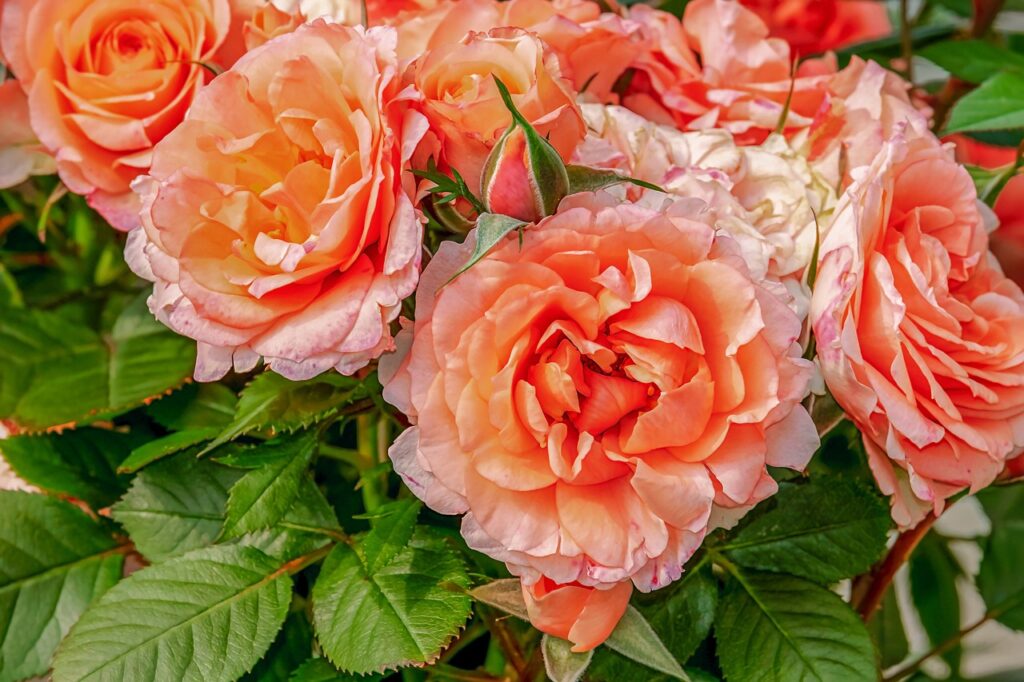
524, 177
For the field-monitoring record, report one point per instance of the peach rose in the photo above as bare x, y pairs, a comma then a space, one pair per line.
587, 398
866, 104
108, 79
593, 48
812, 26
735, 77
277, 218
269, 19
462, 103
582, 615
21, 155
765, 196
920, 338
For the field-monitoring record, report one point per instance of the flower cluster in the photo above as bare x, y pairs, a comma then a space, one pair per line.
658, 235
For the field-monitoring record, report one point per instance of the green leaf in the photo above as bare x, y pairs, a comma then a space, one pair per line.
59, 372
175, 506
1000, 578
263, 496
586, 179
887, 631
195, 406
972, 60
933, 574
1003, 504
776, 627
391, 533
825, 530
293, 646
560, 662
997, 104
80, 463
989, 182
271, 401
321, 670
681, 615
491, 228
403, 613
54, 562
178, 505
635, 639
154, 450
208, 616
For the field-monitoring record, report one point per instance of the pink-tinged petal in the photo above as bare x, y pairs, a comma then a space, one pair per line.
404, 454
793, 441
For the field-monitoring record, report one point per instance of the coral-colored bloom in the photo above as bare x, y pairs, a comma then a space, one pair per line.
582, 615
277, 218
593, 48
462, 103
735, 77
866, 104
21, 155
587, 398
812, 26
920, 338
108, 79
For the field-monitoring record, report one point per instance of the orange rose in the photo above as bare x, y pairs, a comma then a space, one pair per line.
920, 338
587, 398
811, 26
741, 81
464, 107
277, 219
21, 155
107, 80
582, 615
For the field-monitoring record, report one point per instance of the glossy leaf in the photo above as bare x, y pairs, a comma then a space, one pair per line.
263, 496
825, 530
997, 104
54, 562
403, 612
208, 616
973, 60
774, 627
81, 463
59, 371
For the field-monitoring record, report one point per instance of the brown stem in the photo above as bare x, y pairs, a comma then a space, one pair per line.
912, 666
507, 641
985, 13
906, 40
881, 577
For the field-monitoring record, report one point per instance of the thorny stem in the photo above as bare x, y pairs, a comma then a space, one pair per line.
912, 666
881, 577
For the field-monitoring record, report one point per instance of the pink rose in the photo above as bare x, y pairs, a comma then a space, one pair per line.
21, 155
277, 218
920, 338
812, 26
107, 80
730, 75
582, 615
586, 399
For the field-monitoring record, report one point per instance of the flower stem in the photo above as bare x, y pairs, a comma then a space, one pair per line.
881, 577
911, 667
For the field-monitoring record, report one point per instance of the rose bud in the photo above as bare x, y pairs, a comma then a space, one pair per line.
524, 177
582, 615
